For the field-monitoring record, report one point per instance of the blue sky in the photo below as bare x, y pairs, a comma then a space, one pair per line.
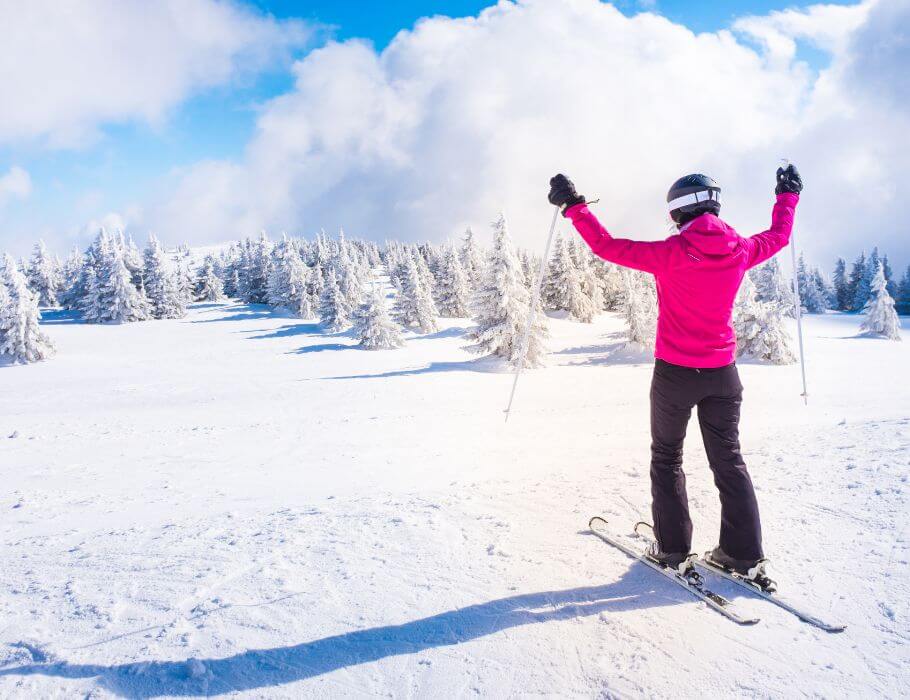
130, 160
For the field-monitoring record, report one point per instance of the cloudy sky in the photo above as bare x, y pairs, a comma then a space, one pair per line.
206, 120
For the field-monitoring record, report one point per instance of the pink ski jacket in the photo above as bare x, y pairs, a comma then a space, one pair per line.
698, 273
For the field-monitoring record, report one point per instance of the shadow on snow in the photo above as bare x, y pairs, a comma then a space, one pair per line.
59, 317
262, 668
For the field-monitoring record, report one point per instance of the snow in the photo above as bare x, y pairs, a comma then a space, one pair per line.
236, 502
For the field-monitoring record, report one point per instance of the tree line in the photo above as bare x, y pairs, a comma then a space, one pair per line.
335, 281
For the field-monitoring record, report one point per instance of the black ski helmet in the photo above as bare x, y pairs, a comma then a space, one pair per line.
691, 196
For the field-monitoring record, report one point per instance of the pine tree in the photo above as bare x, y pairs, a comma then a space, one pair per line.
811, 295
209, 286
471, 259
21, 337
44, 276
563, 290
111, 296
890, 284
641, 309
289, 282
374, 326
333, 306
132, 259
841, 286
414, 305
760, 333
590, 283
501, 306
770, 286
857, 273
903, 294
453, 295
71, 290
161, 284
183, 276
612, 285
257, 261
864, 285
881, 318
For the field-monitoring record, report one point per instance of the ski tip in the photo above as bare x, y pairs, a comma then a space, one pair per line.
597, 518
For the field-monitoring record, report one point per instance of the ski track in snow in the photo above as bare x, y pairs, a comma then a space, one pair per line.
235, 503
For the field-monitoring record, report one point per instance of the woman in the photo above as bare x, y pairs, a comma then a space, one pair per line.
698, 273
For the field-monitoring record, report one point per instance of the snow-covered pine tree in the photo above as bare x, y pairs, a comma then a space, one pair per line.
161, 285
44, 276
471, 259
825, 288
414, 307
811, 295
564, 285
229, 261
501, 306
71, 291
864, 285
528, 268
209, 286
760, 332
21, 337
112, 298
902, 303
857, 273
132, 259
289, 283
881, 317
590, 284
334, 311
890, 284
612, 285
453, 295
254, 283
427, 279
374, 326
640, 308
277, 284
841, 298
770, 286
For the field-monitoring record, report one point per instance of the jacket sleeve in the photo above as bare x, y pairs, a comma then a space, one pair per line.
763, 245
647, 256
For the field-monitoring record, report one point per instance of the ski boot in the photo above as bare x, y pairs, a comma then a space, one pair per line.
752, 570
680, 562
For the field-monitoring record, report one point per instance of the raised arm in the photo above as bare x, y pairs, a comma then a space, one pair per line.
647, 256
763, 245
639, 255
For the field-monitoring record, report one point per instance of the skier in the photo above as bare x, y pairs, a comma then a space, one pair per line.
698, 273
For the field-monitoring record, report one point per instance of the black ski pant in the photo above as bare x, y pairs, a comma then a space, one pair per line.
717, 394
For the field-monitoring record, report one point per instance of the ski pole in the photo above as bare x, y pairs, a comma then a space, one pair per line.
797, 304
535, 296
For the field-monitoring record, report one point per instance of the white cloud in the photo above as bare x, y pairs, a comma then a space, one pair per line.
15, 184
461, 117
68, 67
826, 26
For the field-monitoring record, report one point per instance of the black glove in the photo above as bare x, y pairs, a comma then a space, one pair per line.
788, 180
563, 194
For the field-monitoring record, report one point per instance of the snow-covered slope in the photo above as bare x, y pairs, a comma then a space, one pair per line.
235, 502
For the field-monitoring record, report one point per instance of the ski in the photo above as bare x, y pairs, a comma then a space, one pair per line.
768, 593
771, 596
691, 580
